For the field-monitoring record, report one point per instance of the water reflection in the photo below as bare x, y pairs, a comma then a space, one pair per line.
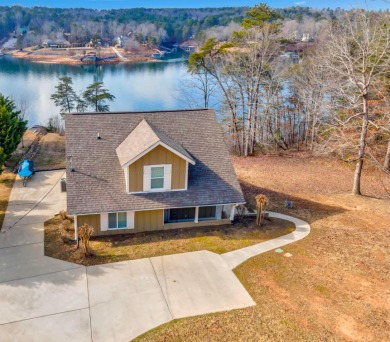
136, 86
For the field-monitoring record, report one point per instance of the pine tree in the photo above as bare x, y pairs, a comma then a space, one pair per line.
96, 96
12, 127
65, 97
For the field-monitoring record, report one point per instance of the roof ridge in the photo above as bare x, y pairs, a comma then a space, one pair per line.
142, 111
150, 126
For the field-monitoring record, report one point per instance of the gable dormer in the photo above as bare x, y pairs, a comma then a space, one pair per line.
152, 161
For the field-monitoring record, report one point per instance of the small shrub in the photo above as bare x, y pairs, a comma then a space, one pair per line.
65, 237
63, 215
84, 233
67, 226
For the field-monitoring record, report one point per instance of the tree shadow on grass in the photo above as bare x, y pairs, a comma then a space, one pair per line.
306, 209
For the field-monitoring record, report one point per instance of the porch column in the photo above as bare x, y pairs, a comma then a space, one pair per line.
232, 210
196, 215
75, 228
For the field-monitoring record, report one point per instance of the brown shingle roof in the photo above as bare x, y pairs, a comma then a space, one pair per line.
143, 137
98, 183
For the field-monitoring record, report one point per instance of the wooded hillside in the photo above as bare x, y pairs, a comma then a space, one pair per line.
173, 25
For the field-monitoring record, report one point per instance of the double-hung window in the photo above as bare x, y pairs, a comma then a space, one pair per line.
157, 177
117, 220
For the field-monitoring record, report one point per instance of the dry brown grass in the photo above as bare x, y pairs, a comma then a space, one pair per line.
109, 249
336, 284
7, 179
51, 154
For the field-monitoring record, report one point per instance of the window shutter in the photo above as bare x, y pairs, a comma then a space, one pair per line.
147, 175
168, 177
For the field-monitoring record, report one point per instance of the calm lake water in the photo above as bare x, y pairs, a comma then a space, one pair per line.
140, 86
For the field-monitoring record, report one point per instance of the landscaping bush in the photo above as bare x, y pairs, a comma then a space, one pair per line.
63, 215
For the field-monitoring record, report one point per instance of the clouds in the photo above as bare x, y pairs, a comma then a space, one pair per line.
299, 3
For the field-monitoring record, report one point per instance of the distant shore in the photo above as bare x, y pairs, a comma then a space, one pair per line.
62, 56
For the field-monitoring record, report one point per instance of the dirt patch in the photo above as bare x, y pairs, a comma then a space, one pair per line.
218, 239
334, 287
51, 153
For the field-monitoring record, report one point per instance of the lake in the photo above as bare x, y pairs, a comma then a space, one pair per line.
136, 86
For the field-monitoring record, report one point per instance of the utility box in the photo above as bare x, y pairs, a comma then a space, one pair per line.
63, 184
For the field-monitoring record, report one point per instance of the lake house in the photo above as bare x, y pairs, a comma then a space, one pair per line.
131, 172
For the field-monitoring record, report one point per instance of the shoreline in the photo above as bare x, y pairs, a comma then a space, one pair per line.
69, 60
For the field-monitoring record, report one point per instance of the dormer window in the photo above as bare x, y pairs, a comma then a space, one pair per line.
152, 161
157, 178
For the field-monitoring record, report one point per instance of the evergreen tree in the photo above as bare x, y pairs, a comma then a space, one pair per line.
65, 97
3, 158
12, 127
96, 96
81, 105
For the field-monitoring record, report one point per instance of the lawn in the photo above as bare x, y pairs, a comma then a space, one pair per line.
335, 286
218, 239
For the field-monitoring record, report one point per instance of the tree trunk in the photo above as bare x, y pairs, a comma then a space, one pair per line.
362, 148
386, 164
298, 129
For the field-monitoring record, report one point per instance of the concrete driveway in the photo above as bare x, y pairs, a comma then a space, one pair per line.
44, 299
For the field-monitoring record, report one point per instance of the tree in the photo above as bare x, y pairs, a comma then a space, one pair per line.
259, 15
12, 127
240, 68
55, 124
3, 158
65, 97
199, 91
96, 95
81, 104
357, 55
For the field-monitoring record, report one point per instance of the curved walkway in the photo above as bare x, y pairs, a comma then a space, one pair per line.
302, 229
45, 299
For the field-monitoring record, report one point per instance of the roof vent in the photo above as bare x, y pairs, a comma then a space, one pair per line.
98, 136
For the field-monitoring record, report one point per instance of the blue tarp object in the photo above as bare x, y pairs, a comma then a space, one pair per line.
26, 169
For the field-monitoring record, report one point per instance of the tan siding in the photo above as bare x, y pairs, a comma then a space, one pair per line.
209, 223
148, 220
158, 155
92, 220
114, 232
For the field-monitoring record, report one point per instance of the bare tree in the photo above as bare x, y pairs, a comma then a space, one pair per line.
356, 53
198, 91
240, 69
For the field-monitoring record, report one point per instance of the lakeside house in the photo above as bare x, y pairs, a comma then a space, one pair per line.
143, 171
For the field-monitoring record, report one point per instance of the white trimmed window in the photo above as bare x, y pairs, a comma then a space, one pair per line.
117, 220
157, 177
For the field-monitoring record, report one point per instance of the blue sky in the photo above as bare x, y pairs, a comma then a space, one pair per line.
108, 4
